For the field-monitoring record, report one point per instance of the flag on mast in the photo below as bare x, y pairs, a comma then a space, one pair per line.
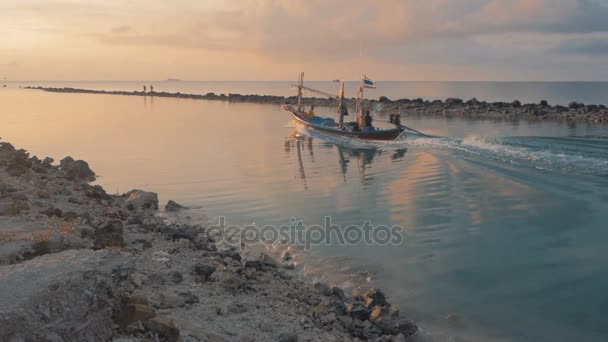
368, 82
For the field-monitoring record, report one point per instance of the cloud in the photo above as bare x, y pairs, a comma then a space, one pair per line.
508, 34
586, 46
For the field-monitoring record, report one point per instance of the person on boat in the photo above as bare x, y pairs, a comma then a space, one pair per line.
311, 114
368, 119
397, 120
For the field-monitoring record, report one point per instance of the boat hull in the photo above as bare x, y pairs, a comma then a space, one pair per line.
387, 134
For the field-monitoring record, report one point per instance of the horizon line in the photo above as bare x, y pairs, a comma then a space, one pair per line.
327, 80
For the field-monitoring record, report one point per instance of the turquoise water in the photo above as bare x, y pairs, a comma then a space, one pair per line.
505, 222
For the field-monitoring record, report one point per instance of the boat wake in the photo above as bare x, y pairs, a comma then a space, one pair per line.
567, 155
572, 155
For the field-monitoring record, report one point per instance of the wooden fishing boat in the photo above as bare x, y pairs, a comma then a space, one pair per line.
360, 129
329, 126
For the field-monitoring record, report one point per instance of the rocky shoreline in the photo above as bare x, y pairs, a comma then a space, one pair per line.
79, 264
451, 107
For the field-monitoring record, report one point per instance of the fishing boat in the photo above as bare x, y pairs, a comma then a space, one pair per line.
360, 129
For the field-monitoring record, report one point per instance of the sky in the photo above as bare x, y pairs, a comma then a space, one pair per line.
430, 40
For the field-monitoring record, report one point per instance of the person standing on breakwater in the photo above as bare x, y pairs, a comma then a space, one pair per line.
144, 88
151, 88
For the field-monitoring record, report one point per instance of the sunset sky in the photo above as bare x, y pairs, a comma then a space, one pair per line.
500, 40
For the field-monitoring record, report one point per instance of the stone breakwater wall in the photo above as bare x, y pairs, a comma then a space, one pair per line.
451, 107
79, 264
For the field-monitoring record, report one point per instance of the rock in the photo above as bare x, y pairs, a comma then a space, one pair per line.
202, 242
59, 293
76, 170
323, 288
254, 264
176, 277
189, 298
286, 256
94, 191
544, 103
266, 260
204, 271
168, 300
400, 338
133, 312
139, 199
337, 292
377, 313
288, 337
374, 297
358, 310
516, 104
232, 254
175, 232
358, 293
346, 321
109, 235
230, 281
328, 319
407, 328
163, 327
453, 101
322, 309
18, 163
174, 206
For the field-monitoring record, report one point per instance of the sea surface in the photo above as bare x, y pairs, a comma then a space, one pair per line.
504, 222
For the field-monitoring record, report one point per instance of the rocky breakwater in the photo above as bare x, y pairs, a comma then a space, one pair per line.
79, 264
474, 109
451, 107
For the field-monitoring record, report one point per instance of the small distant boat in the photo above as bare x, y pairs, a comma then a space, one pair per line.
361, 129
173, 80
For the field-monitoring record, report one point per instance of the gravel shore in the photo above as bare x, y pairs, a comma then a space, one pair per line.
79, 264
451, 107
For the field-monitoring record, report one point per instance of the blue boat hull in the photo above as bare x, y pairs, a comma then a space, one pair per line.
386, 134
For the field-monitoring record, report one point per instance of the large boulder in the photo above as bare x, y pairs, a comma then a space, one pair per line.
453, 101
163, 327
71, 295
76, 170
174, 206
139, 199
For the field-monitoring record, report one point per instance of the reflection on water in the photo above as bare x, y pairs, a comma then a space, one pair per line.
504, 221
363, 157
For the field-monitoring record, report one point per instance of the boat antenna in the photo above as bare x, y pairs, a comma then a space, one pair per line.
341, 104
361, 87
300, 87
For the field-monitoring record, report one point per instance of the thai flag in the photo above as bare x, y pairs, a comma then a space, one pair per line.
368, 83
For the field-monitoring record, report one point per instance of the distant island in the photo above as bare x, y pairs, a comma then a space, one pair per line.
173, 80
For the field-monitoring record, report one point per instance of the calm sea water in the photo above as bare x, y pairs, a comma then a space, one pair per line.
527, 92
505, 222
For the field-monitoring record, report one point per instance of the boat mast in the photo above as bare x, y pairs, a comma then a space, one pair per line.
341, 104
300, 87
361, 118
